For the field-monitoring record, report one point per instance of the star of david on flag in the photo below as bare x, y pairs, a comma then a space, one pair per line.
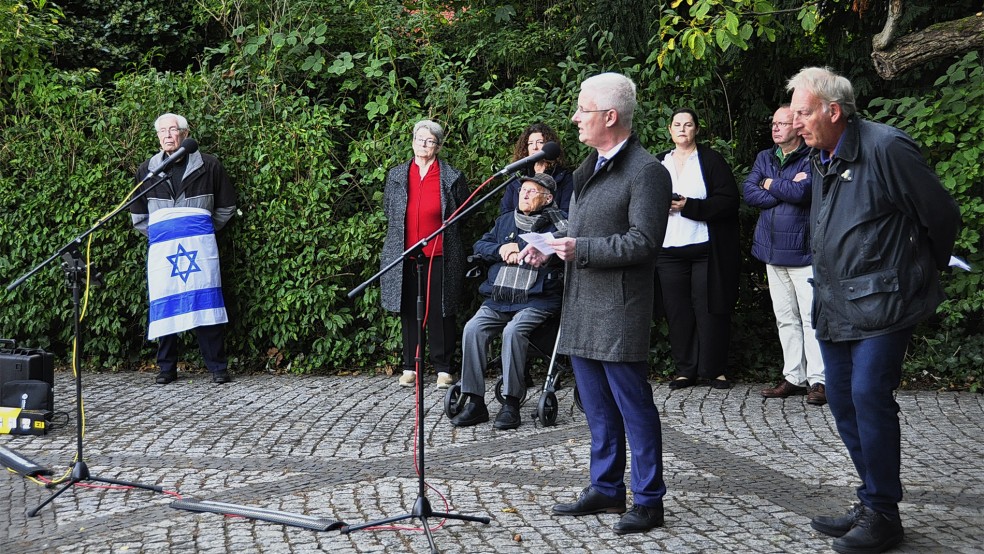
183, 274
176, 262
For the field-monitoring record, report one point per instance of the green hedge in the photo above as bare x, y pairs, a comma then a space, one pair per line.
309, 170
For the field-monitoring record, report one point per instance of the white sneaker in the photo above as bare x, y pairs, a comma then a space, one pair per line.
407, 379
444, 380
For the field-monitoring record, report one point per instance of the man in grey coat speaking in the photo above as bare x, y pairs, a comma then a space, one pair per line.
616, 225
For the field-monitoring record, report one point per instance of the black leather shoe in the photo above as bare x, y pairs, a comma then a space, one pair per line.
873, 533
508, 418
640, 519
682, 383
221, 377
721, 383
166, 377
590, 502
837, 526
472, 414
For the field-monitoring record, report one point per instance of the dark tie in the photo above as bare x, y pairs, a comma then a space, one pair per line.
601, 161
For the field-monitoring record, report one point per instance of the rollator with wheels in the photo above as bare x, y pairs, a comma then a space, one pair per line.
543, 345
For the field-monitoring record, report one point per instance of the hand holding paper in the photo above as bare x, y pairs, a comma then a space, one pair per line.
539, 241
533, 255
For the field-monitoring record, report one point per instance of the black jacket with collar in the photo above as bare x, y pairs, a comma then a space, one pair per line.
883, 227
720, 211
204, 184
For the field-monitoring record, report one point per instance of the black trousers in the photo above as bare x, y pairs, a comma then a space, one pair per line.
210, 342
441, 331
698, 338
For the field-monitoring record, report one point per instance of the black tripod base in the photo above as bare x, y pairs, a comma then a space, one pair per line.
422, 511
80, 472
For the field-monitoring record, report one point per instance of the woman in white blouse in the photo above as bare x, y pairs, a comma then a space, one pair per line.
697, 268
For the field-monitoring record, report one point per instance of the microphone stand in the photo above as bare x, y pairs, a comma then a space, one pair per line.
77, 241
75, 275
421, 507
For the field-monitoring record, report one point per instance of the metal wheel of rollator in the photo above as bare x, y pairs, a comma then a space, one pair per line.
453, 400
501, 397
546, 411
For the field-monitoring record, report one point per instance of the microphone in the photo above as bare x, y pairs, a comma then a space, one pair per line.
188, 146
550, 151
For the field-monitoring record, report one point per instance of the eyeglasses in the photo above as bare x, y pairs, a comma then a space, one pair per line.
582, 110
527, 192
535, 143
169, 131
426, 142
781, 124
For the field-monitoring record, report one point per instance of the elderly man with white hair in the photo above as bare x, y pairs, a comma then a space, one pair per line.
616, 226
518, 299
180, 216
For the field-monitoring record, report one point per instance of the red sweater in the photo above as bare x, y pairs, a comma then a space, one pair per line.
424, 208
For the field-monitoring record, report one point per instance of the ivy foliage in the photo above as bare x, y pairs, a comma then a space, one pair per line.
949, 123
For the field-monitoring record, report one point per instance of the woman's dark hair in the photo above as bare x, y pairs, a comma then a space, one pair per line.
688, 111
520, 149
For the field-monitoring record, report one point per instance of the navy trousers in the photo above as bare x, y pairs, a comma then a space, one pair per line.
862, 376
618, 403
210, 342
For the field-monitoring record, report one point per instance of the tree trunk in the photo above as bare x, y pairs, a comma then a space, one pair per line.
933, 42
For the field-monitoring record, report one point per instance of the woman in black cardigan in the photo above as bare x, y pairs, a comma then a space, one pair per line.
697, 268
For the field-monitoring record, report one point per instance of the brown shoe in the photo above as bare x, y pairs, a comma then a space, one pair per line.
817, 395
783, 390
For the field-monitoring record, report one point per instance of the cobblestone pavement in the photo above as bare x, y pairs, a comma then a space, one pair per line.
743, 474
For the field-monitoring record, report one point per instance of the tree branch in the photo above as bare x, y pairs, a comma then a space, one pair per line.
883, 40
934, 42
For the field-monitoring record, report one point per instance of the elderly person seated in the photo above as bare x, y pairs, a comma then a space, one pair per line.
518, 298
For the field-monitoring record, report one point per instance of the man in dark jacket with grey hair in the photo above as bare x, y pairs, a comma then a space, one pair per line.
518, 299
196, 181
883, 227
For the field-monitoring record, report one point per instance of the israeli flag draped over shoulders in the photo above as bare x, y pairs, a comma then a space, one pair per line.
183, 275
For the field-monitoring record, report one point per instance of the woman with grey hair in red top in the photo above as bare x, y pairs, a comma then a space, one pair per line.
419, 196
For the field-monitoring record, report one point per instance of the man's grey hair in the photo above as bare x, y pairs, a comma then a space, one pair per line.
182, 122
432, 126
613, 91
826, 85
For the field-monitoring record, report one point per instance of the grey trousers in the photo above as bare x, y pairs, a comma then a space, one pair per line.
480, 330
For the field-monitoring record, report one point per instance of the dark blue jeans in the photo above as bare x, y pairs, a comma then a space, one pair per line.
862, 376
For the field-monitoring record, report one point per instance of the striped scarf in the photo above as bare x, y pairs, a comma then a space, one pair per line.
513, 282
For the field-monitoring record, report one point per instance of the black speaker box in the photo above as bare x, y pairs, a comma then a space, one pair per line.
27, 364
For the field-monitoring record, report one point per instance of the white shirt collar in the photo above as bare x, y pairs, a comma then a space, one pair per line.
614, 150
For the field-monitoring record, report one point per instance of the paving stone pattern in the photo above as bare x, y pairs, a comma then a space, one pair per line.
743, 474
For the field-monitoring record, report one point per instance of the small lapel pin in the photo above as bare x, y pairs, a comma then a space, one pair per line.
847, 175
